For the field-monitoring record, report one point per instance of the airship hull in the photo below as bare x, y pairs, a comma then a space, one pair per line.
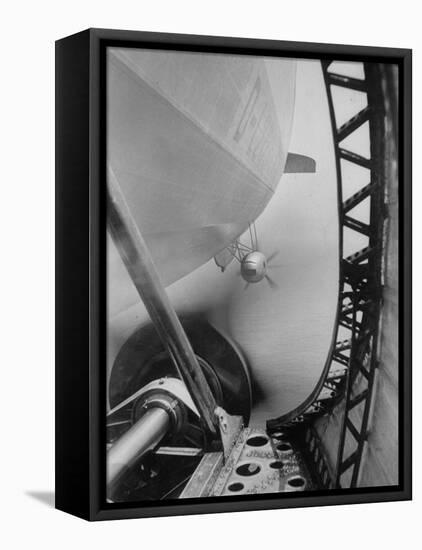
197, 144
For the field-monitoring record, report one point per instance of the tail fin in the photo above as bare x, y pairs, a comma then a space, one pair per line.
299, 164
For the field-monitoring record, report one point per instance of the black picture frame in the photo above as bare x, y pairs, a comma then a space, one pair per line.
80, 277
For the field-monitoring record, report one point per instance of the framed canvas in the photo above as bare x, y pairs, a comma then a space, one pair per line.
233, 274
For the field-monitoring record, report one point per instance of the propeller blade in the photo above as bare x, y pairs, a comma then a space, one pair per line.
273, 255
272, 283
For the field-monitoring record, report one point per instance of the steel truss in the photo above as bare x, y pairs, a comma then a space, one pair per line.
352, 361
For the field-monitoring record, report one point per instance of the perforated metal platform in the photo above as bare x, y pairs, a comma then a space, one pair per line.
257, 464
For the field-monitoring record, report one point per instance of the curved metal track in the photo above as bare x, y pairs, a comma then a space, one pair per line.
354, 345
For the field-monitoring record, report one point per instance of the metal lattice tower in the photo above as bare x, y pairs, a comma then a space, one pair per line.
354, 356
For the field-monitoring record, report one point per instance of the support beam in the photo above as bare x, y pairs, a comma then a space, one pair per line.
357, 225
358, 197
360, 256
353, 124
341, 358
358, 399
346, 82
346, 464
355, 158
137, 259
352, 429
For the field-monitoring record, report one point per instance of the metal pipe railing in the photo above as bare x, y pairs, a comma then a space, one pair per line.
143, 436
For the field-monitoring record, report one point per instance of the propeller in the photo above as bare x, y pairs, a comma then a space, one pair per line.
254, 264
254, 268
271, 283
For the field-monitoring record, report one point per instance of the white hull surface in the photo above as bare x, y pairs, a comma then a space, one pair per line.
198, 144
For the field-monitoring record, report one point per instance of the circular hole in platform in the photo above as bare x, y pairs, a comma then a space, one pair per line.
296, 482
276, 465
257, 441
248, 469
235, 487
284, 447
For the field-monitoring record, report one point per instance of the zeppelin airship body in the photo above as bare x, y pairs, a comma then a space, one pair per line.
198, 144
